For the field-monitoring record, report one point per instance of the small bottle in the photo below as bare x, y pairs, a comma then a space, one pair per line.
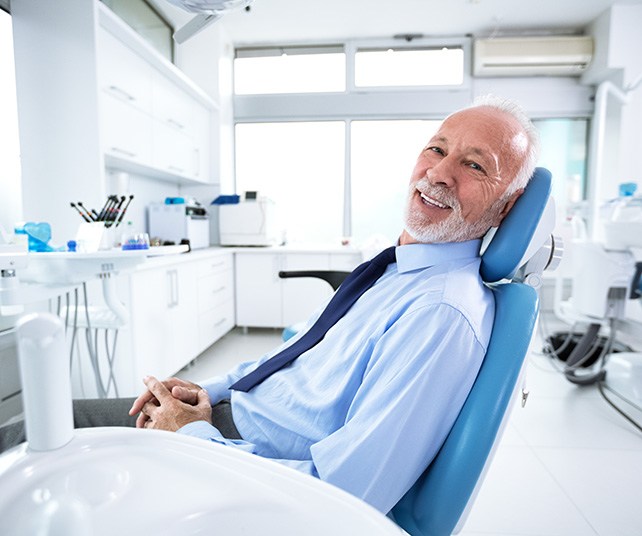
132, 239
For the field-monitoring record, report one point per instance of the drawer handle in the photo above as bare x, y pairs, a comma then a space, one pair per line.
221, 321
123, 151
175, 123
218, 264
217, 290
175, 168
122, 93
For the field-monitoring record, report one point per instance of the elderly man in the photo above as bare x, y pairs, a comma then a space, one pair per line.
367, 403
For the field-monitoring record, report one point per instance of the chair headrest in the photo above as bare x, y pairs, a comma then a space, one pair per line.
522, 232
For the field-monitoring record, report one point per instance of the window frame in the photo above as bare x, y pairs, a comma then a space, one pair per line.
353, 46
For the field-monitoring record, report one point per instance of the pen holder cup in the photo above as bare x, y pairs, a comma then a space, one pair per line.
94, 236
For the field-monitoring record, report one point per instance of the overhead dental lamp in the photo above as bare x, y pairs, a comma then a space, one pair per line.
208, 11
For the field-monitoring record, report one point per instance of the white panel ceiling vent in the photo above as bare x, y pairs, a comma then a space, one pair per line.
532, 56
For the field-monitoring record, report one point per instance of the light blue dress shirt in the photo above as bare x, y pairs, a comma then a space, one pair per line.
369, 406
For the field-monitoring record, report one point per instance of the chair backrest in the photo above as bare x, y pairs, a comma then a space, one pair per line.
442, 496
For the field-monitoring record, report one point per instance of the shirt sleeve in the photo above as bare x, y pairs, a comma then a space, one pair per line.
204, 430
411, 394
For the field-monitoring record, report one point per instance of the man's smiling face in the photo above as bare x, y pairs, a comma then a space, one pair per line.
458, 185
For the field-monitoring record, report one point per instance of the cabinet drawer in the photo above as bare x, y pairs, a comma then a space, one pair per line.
214, 289
215, 265
215, 323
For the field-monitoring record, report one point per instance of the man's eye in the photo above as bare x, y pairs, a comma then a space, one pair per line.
437, 150
475, 166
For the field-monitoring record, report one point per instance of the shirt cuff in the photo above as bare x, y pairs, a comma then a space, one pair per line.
200, 429
204, 430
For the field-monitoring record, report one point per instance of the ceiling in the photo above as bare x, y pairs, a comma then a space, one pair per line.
299, 21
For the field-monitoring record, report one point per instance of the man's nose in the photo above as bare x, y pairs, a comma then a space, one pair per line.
442, 174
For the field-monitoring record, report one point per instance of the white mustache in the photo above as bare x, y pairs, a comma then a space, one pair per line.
441, 194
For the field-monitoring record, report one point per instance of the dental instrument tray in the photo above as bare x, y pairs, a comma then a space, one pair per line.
62, 268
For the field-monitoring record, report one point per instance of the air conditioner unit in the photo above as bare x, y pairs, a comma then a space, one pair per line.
532, 56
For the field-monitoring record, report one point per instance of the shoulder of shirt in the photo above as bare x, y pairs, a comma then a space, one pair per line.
451, 278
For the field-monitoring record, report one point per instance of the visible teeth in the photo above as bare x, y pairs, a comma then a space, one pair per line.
433, 201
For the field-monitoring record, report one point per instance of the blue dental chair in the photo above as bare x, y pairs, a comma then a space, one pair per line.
439, 502
512, 263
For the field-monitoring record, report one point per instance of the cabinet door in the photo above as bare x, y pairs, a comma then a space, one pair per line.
302, 296
152, 297
122, 73
258, 290
164, 319
171, 105
203, 144
173, 150
126, 132
183, 317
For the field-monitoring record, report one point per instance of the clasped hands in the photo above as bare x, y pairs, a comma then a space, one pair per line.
171, 404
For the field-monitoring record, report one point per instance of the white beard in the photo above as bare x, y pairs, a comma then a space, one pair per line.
454, 228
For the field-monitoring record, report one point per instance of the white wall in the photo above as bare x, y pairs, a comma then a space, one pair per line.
618, 59
55, 50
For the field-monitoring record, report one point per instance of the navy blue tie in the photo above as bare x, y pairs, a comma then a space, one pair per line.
360, 280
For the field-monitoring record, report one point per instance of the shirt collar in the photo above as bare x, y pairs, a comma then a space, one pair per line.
415, 256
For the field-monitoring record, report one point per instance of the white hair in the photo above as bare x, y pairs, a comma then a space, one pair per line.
515, 110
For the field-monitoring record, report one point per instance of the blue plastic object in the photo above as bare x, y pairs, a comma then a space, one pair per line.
174, 200
38, 236
502, 256
226, 200
291, 331
627, 189
71, 246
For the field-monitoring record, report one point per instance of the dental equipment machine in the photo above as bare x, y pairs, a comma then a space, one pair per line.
606, 276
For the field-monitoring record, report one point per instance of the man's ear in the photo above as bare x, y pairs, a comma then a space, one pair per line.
506, 208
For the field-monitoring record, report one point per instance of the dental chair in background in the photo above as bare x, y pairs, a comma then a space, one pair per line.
512, 263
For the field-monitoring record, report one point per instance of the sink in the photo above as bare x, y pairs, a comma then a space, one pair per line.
109, 481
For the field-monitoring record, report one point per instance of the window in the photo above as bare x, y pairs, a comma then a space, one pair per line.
383, 155
300, 166
564, 155
10, 182
408, 67
289, 70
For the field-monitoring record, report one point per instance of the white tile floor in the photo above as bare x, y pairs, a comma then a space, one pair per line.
568, 464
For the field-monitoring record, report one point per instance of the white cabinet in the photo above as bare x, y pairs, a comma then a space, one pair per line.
153, 120
215, 298
173, 150
122, 73
178, 307
258, 290
163, 319
265, 300
133, 143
